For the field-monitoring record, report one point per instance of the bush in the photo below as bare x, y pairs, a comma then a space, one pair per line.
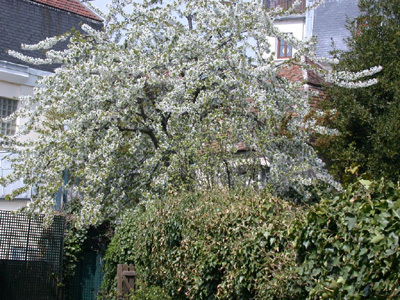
368, 118
215, 245
150, 293
349, 246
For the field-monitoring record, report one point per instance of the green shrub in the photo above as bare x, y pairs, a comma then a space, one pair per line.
150, 293
349, 246
214, 245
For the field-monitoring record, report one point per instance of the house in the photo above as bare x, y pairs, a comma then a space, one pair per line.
29, 22
30, 255
327, 22
292, 24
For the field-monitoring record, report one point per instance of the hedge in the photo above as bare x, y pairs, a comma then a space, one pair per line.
227, 245
214, 245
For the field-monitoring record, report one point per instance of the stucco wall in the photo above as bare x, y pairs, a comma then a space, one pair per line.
15, 81
294, 25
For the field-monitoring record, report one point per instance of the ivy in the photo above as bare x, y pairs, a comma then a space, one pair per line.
349, 245
220, 245
72, 251
149, 293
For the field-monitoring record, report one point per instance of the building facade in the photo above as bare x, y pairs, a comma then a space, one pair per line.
326, 22
29, 22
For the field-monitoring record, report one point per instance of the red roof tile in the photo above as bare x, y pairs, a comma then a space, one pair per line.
73, 6
295, 73
314, 81
312, 76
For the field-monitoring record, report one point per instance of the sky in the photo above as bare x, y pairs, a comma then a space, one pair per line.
101, 4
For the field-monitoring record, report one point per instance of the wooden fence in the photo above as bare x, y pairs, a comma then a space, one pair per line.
125, 281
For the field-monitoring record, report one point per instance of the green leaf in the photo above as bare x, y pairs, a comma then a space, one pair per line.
351, 222
377, 238
365, 183
363, 251
333, 285
341, 280
346, 248
396, 205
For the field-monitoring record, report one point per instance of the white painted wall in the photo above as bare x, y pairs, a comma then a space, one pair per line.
15, 81
292, 24
13, 205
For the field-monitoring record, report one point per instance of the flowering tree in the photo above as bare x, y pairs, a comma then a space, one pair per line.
154, 103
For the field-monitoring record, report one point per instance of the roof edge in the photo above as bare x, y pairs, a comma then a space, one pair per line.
71, 6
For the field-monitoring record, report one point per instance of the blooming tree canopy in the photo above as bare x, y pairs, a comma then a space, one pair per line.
154, 103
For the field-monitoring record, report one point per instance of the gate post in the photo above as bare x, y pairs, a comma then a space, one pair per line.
125, 280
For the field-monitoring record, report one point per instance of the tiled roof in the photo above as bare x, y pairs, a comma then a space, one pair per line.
73, 6
295, 73
329, 24
29, 22
312, 77
314, 81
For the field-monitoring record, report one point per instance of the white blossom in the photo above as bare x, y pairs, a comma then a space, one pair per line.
47, 43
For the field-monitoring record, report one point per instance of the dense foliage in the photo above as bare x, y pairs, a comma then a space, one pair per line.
149, 293
72, 251
213, 245
349, 246
368, 119
237, 246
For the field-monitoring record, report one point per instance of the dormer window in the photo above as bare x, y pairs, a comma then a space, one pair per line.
284, 50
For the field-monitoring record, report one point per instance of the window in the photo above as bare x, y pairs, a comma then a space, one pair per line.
7, 107
283, 49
